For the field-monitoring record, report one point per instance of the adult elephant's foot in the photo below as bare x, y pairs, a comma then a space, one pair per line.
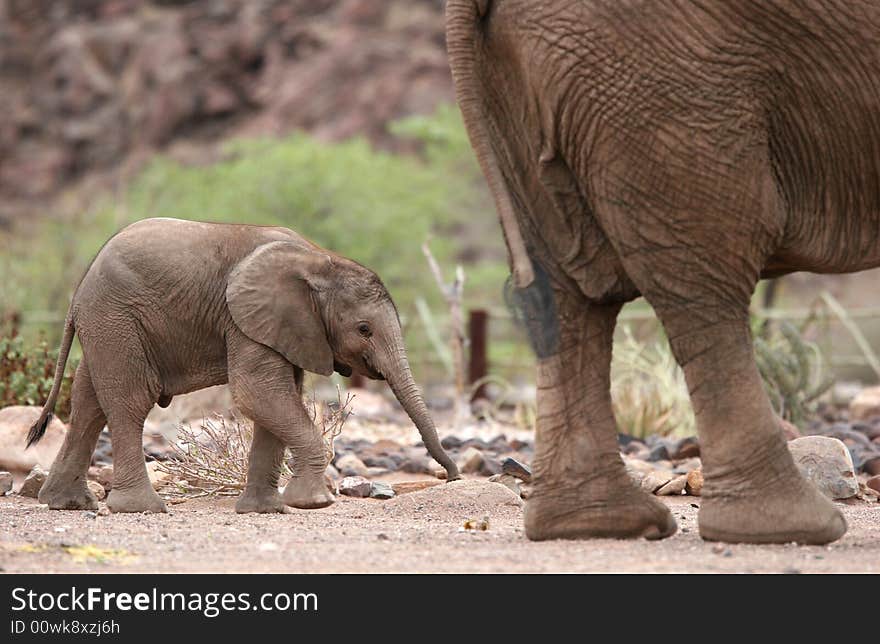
308, 491
264, 501
63, 495
781, 507
137, 499
604, 505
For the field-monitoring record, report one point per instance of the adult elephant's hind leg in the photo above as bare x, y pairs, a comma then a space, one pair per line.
65, 489
264, 466
581, 487
753, 492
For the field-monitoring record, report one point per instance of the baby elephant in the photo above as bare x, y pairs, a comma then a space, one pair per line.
171, 306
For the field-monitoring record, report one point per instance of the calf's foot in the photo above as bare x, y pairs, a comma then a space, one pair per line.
67, 495
308, 491
137, 499
264, 501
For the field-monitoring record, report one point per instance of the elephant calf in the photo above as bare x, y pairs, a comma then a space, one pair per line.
171, 306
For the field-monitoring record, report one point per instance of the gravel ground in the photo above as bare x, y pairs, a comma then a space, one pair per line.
416, 532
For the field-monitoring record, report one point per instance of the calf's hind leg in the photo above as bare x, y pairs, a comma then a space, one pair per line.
65, 489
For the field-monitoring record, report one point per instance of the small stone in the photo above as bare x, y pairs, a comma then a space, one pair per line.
659, 453
103, 511
91, 515
97, 489
874, 483
104, 476
380, 490
471, 461
33, 482
694, 484
674, 488
688, 447
655, 480
351, 465
380, 462
509, 481
827, 463
417, 465
450, 442
6, 481
356, 486
687, 465
490, 466
865, 404
516, 469
404, 487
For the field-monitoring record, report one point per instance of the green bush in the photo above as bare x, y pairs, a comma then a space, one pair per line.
27, 372
374, 206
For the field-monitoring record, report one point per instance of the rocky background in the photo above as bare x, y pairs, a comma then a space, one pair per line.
89, 89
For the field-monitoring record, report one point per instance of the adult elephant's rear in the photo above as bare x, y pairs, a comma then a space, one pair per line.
680, 151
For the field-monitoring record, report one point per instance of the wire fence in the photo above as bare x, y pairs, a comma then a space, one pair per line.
505, 350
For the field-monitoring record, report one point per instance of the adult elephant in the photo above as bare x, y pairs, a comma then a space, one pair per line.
678, 150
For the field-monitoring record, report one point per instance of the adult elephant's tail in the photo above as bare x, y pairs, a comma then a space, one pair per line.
39, 428
462, 36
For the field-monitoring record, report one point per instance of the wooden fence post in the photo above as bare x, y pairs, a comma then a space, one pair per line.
357, 380
478, 365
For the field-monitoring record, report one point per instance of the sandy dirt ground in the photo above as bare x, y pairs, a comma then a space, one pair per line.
416, 532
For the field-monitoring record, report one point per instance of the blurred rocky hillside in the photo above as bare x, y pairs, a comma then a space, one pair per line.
91, 88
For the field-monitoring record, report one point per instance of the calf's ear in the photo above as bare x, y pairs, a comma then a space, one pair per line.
270, 294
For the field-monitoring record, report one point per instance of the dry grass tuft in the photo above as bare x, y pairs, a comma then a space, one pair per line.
213, 457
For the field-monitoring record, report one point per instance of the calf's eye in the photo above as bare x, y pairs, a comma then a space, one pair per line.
364, 329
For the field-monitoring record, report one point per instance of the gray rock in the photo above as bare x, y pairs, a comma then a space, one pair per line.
827, 463
356, 486
5, 482
380, 490
471, 461
516, 469
33, 482
490, 466
351, 465
417, 465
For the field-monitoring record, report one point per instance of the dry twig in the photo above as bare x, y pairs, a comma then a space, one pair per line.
212, 459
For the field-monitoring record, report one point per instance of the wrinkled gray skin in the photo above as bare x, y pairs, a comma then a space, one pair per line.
171, 306
678, 150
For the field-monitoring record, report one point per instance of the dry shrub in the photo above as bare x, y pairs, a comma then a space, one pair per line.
648, 389
213, 458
